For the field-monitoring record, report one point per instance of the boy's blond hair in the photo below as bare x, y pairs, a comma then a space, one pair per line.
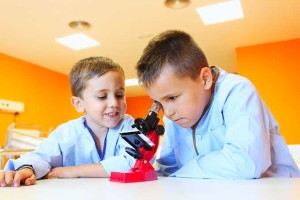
89, 68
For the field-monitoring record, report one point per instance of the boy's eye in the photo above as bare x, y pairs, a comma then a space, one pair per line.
172, 98
102, 97
120, 96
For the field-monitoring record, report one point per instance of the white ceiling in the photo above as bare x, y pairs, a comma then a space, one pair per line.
28, 29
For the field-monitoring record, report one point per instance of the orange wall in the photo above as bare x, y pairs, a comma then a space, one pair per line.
45, 93
274, 68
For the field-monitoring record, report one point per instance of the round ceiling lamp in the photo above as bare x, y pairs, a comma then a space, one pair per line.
79, 25
177, 3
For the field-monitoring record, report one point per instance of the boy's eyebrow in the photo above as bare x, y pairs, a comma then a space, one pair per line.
105, 90
121, 88
166, 97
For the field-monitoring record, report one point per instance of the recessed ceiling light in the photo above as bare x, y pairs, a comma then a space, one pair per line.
177, 3
77, 41
131, 82
79, 25
221, 12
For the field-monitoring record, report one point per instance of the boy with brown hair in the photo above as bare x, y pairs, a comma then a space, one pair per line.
216, 124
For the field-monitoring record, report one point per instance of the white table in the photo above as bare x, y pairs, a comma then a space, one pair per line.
164, 188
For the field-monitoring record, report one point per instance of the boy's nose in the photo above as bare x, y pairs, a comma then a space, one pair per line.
168, 112
113, 102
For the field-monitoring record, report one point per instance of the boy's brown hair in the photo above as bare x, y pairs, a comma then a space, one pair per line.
175, 49
89, 68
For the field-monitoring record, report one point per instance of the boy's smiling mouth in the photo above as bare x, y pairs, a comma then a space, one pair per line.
112, 114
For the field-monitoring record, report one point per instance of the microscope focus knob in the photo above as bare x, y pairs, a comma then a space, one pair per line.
160, 130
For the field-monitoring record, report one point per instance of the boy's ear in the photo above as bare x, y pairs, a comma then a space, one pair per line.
76, 102
206, 78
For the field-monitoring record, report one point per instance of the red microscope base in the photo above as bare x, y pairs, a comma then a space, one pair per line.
130, 177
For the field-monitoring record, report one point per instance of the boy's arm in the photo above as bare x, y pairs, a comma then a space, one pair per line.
88, 170
120, 162
166, 163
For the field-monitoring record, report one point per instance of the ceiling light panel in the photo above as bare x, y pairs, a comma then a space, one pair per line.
221, 12
77, 41
131, 82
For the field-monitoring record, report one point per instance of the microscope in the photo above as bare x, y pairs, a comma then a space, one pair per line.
144, 143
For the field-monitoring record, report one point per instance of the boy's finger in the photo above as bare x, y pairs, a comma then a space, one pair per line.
18, 178
9, 177
21, 176
2, 179
31, 180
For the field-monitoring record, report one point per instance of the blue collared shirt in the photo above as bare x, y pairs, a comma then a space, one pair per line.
71, 144
237, 138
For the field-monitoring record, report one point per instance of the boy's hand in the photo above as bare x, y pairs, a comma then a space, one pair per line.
63, 172
16, 178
